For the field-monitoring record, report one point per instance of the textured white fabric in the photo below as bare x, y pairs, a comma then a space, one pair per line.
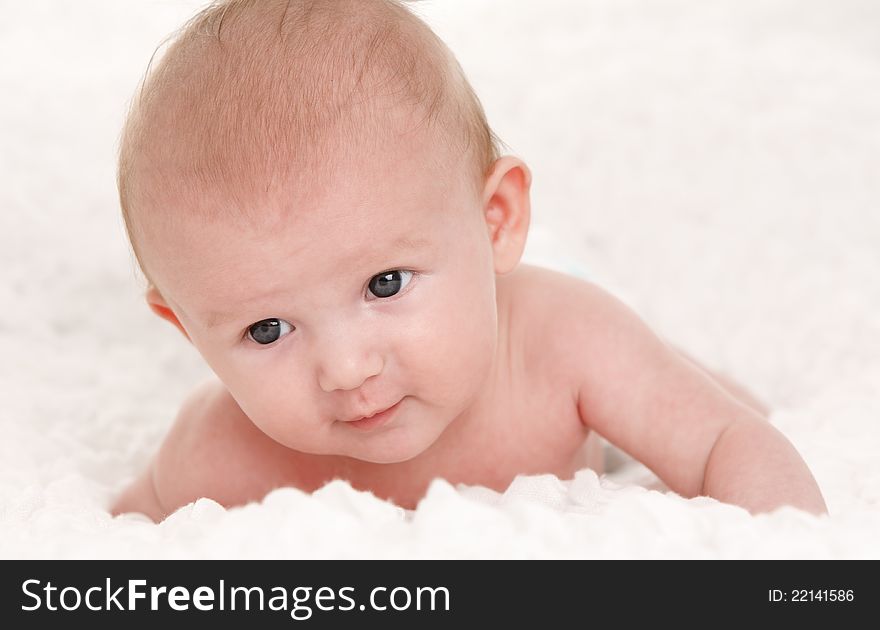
713, 164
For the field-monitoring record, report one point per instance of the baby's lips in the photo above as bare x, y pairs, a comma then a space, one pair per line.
370, 415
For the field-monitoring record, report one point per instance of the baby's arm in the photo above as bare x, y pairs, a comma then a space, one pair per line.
752, 464
644, 397
141, 497
213, 450
153, 492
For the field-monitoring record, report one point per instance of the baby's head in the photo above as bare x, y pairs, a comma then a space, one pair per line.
317, 202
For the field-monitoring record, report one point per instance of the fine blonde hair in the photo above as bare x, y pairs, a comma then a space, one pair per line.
251, 93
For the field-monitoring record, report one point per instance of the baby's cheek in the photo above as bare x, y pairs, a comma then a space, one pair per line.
453, 347
281, 409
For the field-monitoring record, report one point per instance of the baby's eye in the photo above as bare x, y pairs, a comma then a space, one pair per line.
267, 331
389, 283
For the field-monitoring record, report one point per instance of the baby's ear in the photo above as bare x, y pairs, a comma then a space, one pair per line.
507, 210
158, 305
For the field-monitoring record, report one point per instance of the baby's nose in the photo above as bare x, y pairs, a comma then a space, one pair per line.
347, 365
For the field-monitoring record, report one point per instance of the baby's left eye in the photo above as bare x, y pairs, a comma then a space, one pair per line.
389, 283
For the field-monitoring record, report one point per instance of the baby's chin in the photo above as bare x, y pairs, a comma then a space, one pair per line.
399, 442
394, 446
390, 452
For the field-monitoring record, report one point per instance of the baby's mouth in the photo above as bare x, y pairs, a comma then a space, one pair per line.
376, 419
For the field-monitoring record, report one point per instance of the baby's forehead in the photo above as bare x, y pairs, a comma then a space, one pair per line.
376, 206
414, 175
338, 241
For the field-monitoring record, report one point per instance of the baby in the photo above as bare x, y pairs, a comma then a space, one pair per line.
318, 204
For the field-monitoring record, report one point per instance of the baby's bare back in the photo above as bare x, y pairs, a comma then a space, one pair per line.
525, 422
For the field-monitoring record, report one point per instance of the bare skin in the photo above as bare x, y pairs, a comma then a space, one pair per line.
496, 439
525, 423
379, 268
499, 368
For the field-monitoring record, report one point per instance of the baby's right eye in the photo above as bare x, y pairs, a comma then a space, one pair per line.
267, 331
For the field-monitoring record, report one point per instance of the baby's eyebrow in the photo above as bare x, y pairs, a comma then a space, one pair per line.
217, 318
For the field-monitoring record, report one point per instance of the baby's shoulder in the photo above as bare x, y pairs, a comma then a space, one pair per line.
539, 299
540, 284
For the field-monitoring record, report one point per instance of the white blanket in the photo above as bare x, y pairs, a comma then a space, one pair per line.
713, 164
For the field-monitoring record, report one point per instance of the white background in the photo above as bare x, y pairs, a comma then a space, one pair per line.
714, 164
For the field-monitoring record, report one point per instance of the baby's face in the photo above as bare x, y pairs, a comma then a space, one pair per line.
378, 290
